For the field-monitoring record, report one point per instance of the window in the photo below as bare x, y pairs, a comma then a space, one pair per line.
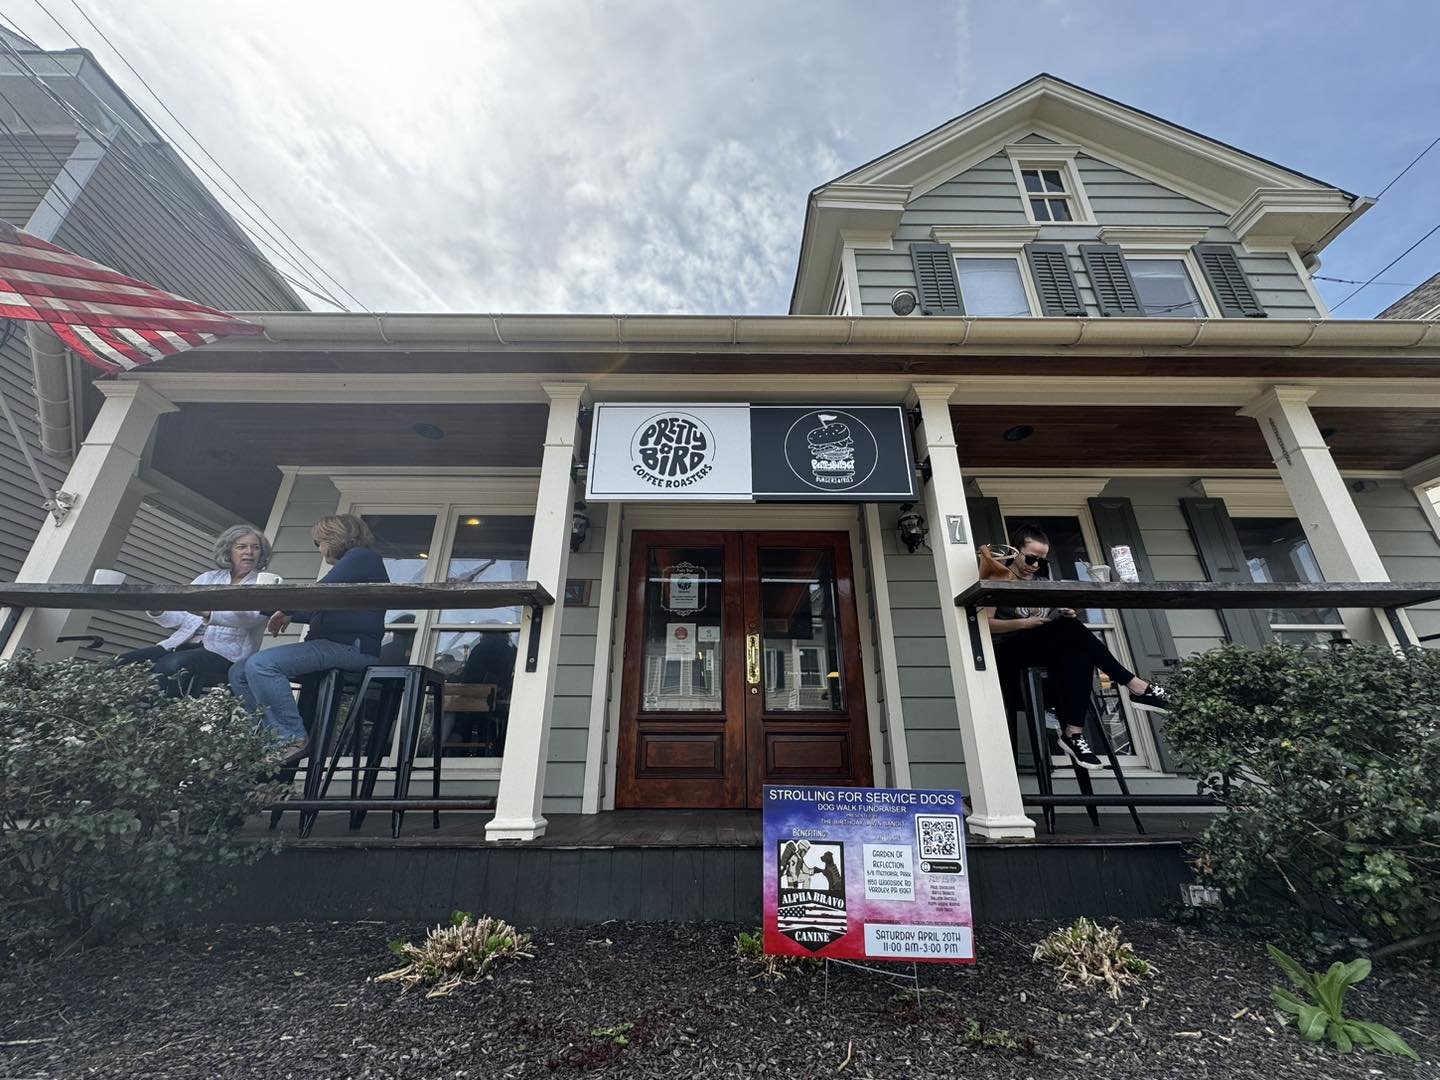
1276, 550
992, 286
1048, 194
1165, 288
475, 649
810, 669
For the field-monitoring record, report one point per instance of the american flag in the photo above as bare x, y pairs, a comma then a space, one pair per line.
109, 320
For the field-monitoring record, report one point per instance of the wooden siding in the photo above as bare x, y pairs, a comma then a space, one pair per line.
143, 210
1406, 543
987, 194
927, 695
28, 166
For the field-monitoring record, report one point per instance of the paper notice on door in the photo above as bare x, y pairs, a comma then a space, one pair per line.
680, 641
709, 633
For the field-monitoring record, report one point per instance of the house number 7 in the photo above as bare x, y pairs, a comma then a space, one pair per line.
955, 528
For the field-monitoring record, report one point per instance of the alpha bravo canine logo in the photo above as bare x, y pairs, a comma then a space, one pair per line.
672, 450
811, 903
831, 451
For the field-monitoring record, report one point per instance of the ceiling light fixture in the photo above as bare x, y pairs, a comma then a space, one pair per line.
1018, 433
428, 431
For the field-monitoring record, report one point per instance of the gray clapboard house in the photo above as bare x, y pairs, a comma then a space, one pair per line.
82, 168
1074, 313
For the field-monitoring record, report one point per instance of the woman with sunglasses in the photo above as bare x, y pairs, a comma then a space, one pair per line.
1055, 639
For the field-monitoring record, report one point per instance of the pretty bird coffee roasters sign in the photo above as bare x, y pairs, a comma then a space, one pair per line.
782, 453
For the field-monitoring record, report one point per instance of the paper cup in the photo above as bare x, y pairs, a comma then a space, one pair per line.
264, 577
1099, 572
107, 577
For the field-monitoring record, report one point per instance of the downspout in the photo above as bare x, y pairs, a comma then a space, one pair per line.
50, 366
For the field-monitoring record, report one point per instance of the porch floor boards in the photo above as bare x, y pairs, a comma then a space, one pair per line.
675, 829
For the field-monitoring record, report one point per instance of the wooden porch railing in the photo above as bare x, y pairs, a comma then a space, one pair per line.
312, 596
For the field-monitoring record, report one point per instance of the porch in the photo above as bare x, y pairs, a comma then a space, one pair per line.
1188, 443
668, 865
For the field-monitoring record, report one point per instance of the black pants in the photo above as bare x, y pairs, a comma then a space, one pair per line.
183, 672
1070, 651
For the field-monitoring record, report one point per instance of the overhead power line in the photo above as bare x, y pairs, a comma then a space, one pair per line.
304, 254
176, 204
1387, 266
1402, 172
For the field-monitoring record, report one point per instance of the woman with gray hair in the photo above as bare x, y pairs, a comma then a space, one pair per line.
198, 655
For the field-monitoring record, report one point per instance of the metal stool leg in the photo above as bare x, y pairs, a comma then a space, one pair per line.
436, 693
377, 747
327, 711
349, 733
411, 702
1039, 742
1115, 763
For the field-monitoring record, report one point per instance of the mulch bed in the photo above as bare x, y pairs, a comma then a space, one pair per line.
294, 1002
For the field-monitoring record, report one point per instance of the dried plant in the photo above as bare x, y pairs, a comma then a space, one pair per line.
1084, 953
750, 950
451, 956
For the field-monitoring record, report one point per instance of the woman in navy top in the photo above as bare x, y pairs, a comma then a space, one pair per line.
349, 640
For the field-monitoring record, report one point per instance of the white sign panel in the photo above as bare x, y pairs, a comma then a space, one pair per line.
642, 452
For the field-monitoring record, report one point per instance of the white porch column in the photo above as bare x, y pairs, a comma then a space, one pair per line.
994, 784
1341, 543
103, 480
532, 701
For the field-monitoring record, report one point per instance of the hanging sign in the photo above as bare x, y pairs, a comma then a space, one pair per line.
783, 453
682, 589
866, 873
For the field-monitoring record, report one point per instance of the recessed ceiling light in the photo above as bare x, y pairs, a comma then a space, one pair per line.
1018, 432
472, 521
1329, 432
428, 431
423, 554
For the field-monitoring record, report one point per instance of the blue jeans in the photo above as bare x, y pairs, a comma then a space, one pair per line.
264, 679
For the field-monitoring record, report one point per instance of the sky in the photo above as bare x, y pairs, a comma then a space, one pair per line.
656, 155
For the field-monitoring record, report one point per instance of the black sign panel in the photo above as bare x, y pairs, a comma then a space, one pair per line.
828, 453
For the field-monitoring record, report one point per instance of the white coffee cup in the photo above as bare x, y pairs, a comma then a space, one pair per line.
107, 577
1099, 572
264, 577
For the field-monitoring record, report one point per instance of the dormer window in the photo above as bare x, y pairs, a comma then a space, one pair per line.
1047, 195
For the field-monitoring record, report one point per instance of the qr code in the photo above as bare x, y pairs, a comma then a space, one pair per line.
939, 835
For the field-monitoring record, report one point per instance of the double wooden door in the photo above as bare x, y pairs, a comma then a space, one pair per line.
741, 668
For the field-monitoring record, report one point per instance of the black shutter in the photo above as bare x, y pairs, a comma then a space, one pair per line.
1223, 559
935, 279
1110, 278
1147, 630
1228, 282
987, 526
1054, 283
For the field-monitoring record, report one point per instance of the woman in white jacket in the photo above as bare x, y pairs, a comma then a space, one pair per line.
198, 655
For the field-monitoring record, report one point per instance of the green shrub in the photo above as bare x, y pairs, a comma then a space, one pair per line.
1321, 1011
1334, 803
117, 805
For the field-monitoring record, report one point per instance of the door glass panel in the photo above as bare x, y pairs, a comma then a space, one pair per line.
684, 641
403, 541
801, 632
488, 548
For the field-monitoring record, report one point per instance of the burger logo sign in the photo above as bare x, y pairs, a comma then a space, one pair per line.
831, 451
672, 450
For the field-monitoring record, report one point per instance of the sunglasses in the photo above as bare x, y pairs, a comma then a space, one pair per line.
1039, 562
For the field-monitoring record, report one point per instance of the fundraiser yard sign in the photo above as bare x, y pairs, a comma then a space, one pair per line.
866, 873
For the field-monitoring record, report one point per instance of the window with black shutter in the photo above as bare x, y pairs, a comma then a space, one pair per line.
1054, 281
1226, 277
1110, 280
935, 279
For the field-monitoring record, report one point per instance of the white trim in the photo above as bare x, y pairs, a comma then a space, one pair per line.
595, 789
1301, 216
1250, 497
889, 660
850, 271
987, 237
282, 500
1140, 237
1042, 493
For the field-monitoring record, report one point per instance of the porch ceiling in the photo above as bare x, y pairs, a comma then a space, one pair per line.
1189, 439
231, 453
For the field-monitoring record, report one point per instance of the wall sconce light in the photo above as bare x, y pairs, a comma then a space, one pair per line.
579, 526
911, 527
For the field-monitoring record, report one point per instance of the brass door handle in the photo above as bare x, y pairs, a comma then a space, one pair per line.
752, 659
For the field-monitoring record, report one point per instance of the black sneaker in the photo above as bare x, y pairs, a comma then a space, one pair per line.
1154, 697
1078, 749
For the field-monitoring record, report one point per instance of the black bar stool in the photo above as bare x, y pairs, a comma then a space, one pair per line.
321, 696
403, 690
1033, 706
